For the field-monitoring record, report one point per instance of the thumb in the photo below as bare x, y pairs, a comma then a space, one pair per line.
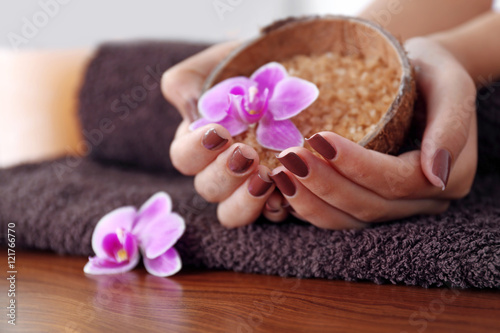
450, 96
181, 84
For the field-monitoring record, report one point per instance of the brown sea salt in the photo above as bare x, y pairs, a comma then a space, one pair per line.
355, 92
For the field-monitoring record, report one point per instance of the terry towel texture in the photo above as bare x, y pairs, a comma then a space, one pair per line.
56, 204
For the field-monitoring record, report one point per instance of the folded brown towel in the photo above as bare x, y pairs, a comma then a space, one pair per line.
124, 115
56, 204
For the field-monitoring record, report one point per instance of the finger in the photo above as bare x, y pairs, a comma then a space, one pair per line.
463, 173
226, 173
330, 186
193, 151
309, 206
181, 84
275, 209
392, 177
245, 204
450, 97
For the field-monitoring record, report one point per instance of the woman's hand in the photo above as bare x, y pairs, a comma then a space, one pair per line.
225, 172
353, 186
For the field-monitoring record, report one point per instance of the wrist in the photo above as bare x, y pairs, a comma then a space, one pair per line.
475, 45
448, 41
442, 44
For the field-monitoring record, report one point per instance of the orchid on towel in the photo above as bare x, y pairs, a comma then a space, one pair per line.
269, 97
154, 229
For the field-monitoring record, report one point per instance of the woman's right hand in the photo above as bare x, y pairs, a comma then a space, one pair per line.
225, 172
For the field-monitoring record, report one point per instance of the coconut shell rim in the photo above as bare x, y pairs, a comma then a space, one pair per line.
406, 85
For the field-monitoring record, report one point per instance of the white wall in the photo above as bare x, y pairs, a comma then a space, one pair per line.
74, 23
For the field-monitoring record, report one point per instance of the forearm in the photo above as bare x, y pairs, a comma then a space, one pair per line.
476, 45
410, 18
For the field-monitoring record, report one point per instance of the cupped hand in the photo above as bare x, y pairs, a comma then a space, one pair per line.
225, 172
351, 186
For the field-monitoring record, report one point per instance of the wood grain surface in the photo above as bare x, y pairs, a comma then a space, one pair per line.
54, 295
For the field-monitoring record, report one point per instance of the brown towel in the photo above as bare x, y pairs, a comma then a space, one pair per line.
124, 115
56, 204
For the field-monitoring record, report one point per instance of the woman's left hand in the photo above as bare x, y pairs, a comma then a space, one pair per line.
352, 186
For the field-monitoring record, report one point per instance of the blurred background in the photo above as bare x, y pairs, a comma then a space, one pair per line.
31, 24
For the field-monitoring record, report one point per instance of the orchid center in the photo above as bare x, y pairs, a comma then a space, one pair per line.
120, 253
255, 104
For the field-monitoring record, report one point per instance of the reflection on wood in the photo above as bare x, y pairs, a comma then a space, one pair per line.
54, 295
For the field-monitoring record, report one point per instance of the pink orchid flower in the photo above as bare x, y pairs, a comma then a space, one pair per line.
269, 98
153, 230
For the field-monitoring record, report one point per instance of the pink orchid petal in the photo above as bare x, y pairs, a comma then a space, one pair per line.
159, 233
112, 244
232, 124
238, 91
121, 218
233, 121
159, 204
130, 245
268, 76
166, 264
214, 103
98, 266
200, 123
252, 112
291, 96
278, 135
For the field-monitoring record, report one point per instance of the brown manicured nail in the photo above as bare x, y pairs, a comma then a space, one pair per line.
323, 147
212, 140
441, 165
239, 163
192, 110
295, 164
258, 184
284, 183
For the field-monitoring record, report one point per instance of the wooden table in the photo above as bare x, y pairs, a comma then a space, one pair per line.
54, 295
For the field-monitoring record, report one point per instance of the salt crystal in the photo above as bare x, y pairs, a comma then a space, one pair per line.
354, 94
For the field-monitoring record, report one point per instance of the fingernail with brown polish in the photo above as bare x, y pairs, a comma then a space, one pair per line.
323, 147
284, 183
212, 140
441, 165
192, 110
259, 184
239, 163
295, 164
